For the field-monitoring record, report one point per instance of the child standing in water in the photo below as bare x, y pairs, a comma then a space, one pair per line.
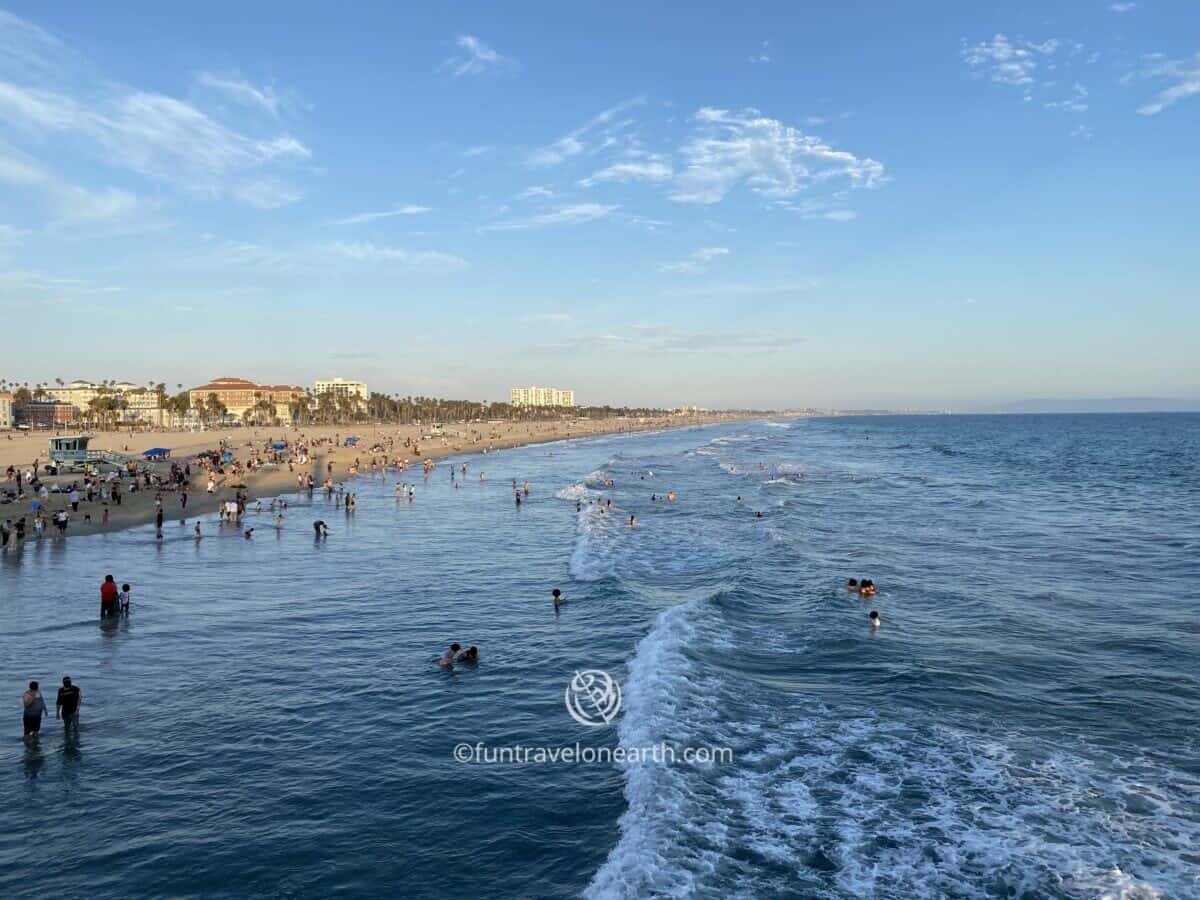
123, 599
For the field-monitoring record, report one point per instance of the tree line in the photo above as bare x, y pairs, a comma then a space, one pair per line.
109, 408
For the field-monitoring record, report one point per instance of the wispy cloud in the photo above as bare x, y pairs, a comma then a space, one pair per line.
599, 130
311, 256
651, 338
241, 91
266, 194
833, 209
742, 289
1008, 62
30, 49
69, 203
536, 192
367, 252
1122, 7
56, 93
769, 157
32, 281
631, 170
574, 214
1184, 76
361, 218
475, 58
698, 262
1077, 102
761, 57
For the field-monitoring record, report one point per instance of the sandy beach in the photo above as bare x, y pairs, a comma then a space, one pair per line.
20, 449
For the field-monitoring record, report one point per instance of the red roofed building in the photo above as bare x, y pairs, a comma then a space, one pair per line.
240, 395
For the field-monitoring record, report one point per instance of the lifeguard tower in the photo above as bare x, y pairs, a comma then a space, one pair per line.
71, 452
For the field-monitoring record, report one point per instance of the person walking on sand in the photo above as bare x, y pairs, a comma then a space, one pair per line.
34, 710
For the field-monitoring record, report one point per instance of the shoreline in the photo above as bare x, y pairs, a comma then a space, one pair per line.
138, 507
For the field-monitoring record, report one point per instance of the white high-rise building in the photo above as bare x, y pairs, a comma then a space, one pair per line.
541, 396
339, 387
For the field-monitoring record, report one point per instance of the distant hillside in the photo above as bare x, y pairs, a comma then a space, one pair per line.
1111, 404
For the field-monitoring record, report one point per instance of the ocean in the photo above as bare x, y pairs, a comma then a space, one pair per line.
270, 721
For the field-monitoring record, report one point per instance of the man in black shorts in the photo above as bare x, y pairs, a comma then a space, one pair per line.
67, 707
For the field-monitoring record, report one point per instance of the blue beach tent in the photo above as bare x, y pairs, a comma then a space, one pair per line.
156, 453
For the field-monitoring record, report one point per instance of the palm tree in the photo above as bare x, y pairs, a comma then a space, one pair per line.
214, 408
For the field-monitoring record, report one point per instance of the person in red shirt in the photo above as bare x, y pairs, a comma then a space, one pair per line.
108, 597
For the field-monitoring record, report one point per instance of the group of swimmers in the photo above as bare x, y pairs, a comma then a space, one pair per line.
453, 655
865, 588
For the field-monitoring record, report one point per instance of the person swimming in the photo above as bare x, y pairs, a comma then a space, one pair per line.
248, 533
471, 654
852, 584
874, 617
866, 588
447, 659
633, 521
558, 598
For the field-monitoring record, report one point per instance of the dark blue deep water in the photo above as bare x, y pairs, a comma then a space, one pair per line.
269, 722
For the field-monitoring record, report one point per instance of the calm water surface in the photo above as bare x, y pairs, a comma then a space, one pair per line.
269, 721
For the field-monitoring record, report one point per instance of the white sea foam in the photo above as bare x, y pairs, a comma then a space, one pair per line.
847, 803
578, 492
644, 861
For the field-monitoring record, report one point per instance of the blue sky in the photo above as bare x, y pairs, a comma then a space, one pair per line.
929, 205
